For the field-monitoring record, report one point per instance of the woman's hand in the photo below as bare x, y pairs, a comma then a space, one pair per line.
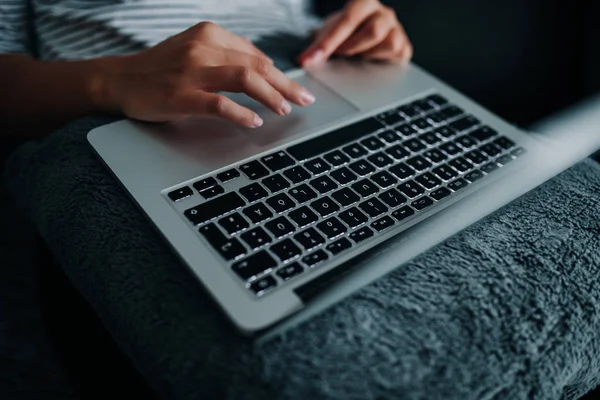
179, 77
364, 28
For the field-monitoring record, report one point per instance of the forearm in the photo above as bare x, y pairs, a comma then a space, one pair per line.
37, 97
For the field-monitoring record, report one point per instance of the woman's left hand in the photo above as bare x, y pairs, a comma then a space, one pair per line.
364, 28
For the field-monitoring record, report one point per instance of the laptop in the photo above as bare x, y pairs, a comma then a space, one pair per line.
273, 220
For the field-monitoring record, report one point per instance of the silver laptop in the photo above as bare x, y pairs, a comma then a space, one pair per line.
272, 220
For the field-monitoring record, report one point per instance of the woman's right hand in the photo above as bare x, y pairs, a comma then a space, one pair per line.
179, 78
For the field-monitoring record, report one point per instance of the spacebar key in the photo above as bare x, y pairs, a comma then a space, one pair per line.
214, 208
337, 138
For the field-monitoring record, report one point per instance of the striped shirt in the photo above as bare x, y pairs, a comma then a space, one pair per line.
79, 29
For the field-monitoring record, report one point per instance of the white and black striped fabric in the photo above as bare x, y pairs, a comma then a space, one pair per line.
79, 29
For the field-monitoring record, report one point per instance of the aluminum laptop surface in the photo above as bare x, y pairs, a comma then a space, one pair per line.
196, 180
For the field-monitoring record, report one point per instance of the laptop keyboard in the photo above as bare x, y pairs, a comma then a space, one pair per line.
313, 201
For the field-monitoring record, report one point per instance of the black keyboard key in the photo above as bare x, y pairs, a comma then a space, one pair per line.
230, 249
214, 208
421, 124
281, 203
254, 170
263, 285
383, 223
483, 133
286, 250
323, 184
278, 161
430, 138
228, 175
332, 227
436, 118
466, 142
504, 160
384, 179
302, 193
336, 158
450, 148
411, 189
280, 227
489, 167
392, 198
353, 217
303, 216
406, 130
258, 213
458, 184
317, 166
362, 167
309, 239
373, 207
181, 193
334, 139
389, 136
355, 150
445, 131
424, 105
254, 265
435, 156
474, 175
297, 174
391, 117
234, 223
461, 164
338, 246
421, 203
276, 183
402, 171
476, 157
212, 192
256, 238
410, 110
372, 143
403, 213
365, 188
445, 172
398, 152
418, 163
325, 206
414, 145
343, 176
205, 184
253, 192
380, 159
428, 180
452, 111
465, 123
440, 193
315, 258
345, 197
437, 100
505, 142
362, 234
289, 271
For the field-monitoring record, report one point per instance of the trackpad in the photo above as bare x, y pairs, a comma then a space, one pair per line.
328, 107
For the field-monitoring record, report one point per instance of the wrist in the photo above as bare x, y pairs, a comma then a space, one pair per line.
102, 80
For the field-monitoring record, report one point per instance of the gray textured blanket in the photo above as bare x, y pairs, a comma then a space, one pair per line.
507, 309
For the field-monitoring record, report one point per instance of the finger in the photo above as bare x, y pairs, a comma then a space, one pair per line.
199, 103
241, 79
288, 88
245, 45
330, 39
392, 48
372, 32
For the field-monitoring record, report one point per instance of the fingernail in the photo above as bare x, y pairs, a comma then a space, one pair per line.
306, 97
316, 57
257, 121
286, 108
